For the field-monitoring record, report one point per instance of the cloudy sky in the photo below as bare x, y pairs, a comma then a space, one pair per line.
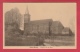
63, 12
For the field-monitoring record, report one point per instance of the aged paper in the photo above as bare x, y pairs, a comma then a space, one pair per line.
39, 26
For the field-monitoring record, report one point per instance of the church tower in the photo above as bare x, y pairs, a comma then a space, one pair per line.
26, 21
26, 16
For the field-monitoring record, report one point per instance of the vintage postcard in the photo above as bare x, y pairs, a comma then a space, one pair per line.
39, 26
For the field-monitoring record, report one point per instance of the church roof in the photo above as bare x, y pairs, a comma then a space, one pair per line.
41, 21
57, 23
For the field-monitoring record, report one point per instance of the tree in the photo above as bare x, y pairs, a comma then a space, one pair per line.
13, 16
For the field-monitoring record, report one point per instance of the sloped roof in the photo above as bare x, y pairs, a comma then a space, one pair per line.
41, 21
57, 24
66, 29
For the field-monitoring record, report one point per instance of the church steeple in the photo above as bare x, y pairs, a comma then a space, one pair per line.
26, 16
27, 11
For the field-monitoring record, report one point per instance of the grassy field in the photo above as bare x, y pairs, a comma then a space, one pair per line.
23, 41
60, 41
37, 41
16, 39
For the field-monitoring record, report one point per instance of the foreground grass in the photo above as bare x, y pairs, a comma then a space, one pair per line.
22, 40
61, 41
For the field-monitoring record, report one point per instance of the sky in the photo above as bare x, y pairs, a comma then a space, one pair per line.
63, 12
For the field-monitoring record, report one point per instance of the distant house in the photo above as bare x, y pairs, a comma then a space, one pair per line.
67, 31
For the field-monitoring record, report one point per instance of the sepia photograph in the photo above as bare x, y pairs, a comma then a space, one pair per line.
39, 26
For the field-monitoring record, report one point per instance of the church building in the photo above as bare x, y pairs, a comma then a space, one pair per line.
45, 26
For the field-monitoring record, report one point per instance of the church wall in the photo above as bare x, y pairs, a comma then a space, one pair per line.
56, 28
38, 28
43, 28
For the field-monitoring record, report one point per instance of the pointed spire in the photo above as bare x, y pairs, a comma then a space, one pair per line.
27, 11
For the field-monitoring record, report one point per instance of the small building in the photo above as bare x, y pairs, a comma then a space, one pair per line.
67, 31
